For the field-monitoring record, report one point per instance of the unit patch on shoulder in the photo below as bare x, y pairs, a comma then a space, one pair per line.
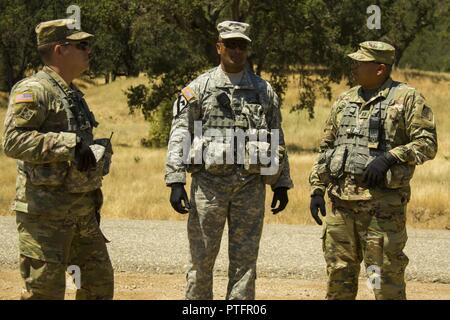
26, 114
179, 105
25, 97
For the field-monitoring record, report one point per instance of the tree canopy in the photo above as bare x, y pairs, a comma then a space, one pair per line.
174, 41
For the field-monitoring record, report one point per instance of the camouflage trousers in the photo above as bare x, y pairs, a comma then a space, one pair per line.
215, 200
373, 231
52, 242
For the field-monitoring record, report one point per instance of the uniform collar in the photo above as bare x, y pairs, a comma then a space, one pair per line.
222, 81
60, 81
383, 92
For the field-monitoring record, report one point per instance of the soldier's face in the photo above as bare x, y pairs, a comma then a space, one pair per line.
76, 55
233, 54
369, 74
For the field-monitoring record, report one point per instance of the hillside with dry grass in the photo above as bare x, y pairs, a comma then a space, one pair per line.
135, 188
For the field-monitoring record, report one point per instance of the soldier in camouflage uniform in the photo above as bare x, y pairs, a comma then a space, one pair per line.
229, 96
48, 129
375, 135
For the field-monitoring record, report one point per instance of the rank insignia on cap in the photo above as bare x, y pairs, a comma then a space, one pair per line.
26, 114
23, 98
188, 94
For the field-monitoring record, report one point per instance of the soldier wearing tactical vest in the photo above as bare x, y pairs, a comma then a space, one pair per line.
49, 130
226, 98
375, 135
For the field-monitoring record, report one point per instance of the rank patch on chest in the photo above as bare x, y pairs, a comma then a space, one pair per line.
24, 97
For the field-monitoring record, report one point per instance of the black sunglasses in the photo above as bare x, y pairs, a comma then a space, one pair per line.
357, 63
233, 44
82, 45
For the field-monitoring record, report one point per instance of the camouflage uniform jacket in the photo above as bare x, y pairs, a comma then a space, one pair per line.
45, 117
409, 126
198, 102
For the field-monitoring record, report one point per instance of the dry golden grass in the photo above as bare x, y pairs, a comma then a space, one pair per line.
135, 187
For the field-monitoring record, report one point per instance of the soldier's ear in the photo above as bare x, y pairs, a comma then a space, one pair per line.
218, 47
57, 50
382, 69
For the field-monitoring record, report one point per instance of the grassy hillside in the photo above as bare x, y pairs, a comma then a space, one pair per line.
135, 187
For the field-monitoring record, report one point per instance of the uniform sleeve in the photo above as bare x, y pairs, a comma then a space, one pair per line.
326, 142
421, 131
27, 111
180, 137
285, 177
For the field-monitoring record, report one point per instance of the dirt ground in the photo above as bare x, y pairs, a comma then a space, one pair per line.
136, 286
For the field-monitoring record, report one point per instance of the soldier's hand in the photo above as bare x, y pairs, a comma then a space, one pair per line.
317, 203
84, 157
279, 194
177, 196
376, 170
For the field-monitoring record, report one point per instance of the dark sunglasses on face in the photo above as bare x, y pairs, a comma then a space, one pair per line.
82, 45
233, 44
358, 63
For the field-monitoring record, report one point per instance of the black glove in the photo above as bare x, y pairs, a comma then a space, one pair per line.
84, 157
177, 195
376, 170
317, 202
279, 194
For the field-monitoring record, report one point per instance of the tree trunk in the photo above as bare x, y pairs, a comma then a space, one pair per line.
235, 10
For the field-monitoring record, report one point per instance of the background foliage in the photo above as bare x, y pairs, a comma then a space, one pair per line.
173, 41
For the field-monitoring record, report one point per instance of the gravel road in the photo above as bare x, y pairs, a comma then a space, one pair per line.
285, 251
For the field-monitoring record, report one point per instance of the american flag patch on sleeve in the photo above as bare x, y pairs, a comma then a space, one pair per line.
24, 97
188, 93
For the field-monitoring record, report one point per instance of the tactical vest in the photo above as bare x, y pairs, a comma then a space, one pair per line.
69, 113
224, 110
80, 119
361, 137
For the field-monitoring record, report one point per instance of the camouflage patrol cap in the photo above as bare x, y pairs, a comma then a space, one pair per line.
374, 51
59, 30
233, 29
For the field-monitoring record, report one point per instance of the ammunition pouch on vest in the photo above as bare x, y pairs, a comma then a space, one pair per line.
399, 175
272, 171
217, 152
88, 181
323, 166
64, 174
222, 150
46, 174
77, 182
